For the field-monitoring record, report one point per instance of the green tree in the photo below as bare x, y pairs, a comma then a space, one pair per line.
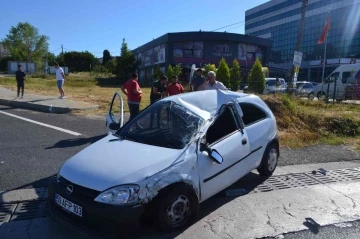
79, 61
235, 76
177, 70
126, 63
257, 78
209, 67
26, 44
111, 66
170, 72
223, 73
106, 57
157, 73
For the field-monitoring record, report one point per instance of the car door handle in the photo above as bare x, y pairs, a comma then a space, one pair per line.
244, 141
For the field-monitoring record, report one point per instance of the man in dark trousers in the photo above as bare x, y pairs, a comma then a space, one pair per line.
20, 79
132, 89
197, 80
158, 89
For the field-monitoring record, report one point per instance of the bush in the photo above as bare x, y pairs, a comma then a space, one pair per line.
223, 73
157, 73
257, 78
235, 76
209, 67
177, 70
169, 72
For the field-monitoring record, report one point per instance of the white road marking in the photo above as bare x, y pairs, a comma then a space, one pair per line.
42, 124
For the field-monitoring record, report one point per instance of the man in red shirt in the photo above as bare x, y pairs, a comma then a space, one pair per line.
174, 88
132, 89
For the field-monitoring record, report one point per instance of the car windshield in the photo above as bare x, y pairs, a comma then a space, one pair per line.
298, 85
163, 124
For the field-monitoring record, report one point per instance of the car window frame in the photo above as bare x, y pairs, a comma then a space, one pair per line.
228, 135
257, 121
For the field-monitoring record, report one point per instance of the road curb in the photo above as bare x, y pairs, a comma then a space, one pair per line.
44, 108
21, 195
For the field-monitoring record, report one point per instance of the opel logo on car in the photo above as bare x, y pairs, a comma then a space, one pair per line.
69, 189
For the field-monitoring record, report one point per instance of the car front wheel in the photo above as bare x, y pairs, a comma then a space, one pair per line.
269, 161
311, 96
176, 208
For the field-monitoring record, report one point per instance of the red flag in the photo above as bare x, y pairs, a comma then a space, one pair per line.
325, 31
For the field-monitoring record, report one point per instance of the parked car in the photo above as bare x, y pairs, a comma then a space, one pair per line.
342, 77
202, 143
271, 85
303, 89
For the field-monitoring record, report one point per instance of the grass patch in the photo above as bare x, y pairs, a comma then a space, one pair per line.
303, 122
79, 87
300, 122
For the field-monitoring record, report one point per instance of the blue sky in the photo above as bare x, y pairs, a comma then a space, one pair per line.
96, 25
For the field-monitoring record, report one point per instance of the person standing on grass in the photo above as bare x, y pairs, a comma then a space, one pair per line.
60, 80
20, 79
158, 89
197, 80
212, 83
132, 89
174, 88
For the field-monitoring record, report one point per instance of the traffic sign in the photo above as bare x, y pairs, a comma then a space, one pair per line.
297, 58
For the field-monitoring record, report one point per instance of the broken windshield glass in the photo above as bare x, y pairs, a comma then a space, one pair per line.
164, 124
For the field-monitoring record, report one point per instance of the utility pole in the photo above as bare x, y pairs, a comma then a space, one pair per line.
300, 33
62, 53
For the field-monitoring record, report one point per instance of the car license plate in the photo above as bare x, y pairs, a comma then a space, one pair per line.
68, 206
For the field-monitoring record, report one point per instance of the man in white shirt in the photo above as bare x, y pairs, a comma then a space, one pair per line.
212, 83
60, 79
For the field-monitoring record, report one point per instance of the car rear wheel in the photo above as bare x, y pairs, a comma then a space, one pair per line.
176, 208
269, 161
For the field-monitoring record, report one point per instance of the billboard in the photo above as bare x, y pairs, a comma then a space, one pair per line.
185, 51
159, 54
247, 54
147, 59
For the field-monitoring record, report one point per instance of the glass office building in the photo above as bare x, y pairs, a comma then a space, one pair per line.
279, 21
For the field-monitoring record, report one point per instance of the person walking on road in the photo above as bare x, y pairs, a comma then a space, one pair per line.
174, 88
212, 83
60, 80
197, 80
158, 89
20, 79
132, 89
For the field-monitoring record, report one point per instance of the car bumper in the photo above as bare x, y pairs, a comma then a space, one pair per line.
96, 216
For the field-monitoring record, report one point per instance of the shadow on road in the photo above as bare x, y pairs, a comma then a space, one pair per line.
68, 143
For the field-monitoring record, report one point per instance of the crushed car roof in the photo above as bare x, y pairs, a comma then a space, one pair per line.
205, 103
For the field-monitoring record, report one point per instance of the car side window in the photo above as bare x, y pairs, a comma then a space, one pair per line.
252, 113
345, 76
333, 77
224, 125
306, 86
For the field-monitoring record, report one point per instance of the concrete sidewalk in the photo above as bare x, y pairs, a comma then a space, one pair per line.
254, 215
42, 103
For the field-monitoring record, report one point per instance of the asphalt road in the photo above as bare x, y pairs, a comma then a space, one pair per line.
349, 230
30, 153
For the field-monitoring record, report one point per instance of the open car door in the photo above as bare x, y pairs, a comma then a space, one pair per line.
115, 117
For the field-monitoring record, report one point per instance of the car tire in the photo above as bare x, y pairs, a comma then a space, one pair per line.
269, 161
311, 96
175, 208
321, 95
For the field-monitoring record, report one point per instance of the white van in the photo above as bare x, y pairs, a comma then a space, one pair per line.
340, 78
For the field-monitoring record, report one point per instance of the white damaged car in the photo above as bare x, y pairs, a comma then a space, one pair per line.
161, 165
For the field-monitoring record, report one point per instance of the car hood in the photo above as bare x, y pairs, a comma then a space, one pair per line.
105, 163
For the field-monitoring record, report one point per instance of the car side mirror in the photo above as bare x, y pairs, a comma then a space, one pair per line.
114, 126
216, 157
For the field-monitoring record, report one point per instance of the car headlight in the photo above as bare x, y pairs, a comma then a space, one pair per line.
119, 195
58, 176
